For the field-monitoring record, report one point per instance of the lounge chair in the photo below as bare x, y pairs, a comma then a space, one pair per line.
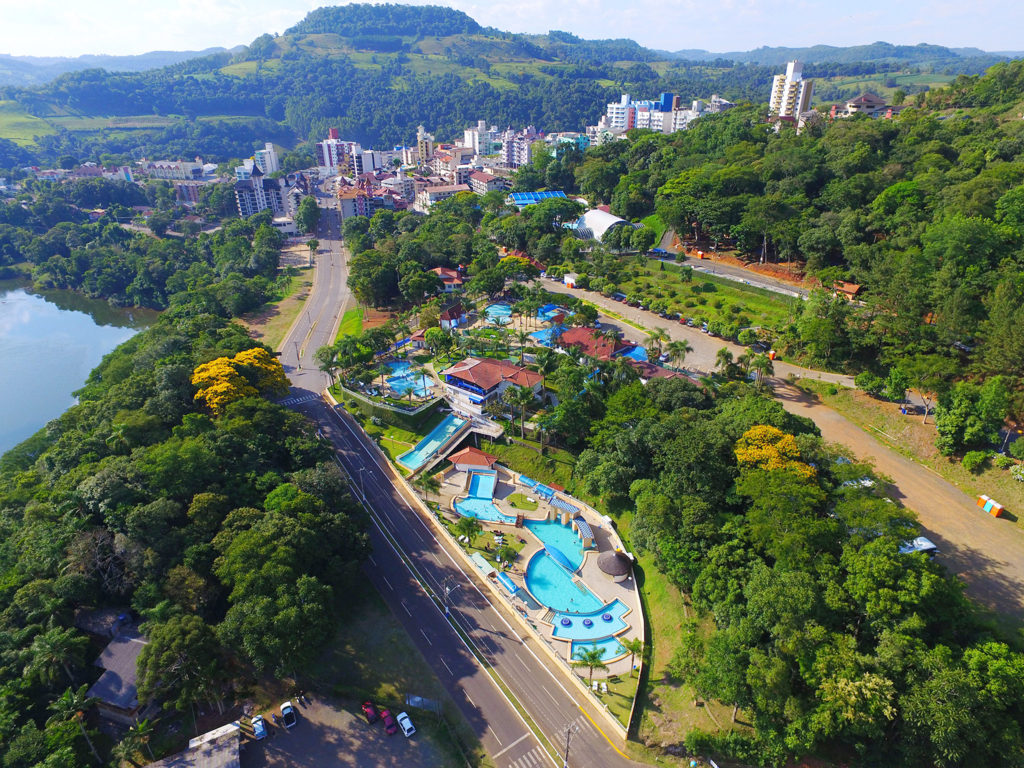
604, 687
593, 686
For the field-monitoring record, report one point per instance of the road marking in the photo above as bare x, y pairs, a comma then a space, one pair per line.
372, 560
448, 668
425, 635
406, 608
388, 583
297, 399
494, 735
506, 749
470, 700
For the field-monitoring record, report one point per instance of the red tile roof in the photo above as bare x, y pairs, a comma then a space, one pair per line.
454, 312
473, 457
650, 371
589, 343
448, 275
487, 373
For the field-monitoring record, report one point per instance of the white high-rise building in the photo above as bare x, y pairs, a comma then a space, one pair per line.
791, 94
266, 159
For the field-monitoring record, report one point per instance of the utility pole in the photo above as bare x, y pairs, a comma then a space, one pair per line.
447, 587
297, 358
362, 488
570, 731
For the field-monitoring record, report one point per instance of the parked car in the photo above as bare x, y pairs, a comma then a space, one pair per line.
406, 724
259, 728
920, 544
288, 715
689, 322
597, 323
663, 357
704, 328
390, 728
372, 715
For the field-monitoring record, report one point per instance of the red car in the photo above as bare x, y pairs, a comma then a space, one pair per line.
372, 716
390, 726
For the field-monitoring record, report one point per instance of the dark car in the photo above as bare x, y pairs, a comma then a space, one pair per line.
372, 715
390, 726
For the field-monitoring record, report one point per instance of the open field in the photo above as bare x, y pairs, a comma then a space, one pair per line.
271, 322
19, 126
351, 323
85, 123
875, 84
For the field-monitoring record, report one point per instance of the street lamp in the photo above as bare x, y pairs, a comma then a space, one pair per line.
297, 358
447, 587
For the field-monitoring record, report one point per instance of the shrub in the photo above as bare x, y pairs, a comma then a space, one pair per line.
870, 383
1017, 449
701, 300
689, 303
832, 390
973, 460
735, 309
1018, 473
747, 337
717, 303
1003, 462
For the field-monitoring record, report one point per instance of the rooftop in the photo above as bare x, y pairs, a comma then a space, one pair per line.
116, 686
487, 373
473, 457
590, 343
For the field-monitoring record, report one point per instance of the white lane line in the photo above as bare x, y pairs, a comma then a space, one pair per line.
425, 636
448, 668
406, 608
388, 583
372, 560
506, 749
467, 696
494, 735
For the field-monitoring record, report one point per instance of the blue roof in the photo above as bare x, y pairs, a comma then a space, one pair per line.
584, 527
564, 505
507, 583
529, 198
559, 557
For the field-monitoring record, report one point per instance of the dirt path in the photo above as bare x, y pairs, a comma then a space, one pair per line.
984, 551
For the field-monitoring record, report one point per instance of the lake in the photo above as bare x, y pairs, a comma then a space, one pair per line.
49, 342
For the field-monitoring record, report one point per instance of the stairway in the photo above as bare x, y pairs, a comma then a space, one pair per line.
547, 617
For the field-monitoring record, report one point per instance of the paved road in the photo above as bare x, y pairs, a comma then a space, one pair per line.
987, 553
501, 730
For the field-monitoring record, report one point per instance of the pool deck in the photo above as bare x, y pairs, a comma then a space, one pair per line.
454, 486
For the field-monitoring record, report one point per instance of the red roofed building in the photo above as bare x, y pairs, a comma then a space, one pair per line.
472, 458
650, 371
482, 183
587, 341
474, 383
452, 316
450, 277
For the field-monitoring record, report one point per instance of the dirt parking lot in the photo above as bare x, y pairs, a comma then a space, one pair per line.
329, 734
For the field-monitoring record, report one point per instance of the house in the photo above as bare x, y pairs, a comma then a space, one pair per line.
569, 279
866, 104
451, 278
847, 290
586, 341
452, 316
418, 339
115, 691
472, 458
218, 748
428, 196
648, 371
482, 183
472, 384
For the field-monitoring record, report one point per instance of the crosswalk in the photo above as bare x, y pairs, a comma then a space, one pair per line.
536, 758
532, 759
297, 399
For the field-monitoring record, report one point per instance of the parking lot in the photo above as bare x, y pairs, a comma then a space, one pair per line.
328, 734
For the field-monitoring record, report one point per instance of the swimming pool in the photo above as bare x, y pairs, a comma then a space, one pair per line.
481, 484
545, 336
636, 353
561, 537
549, 311
479, 502
405, 379
438, 436
612, 648
599, 628
499, 313
552, 585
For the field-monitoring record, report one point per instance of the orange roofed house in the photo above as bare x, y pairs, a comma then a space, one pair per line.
587, 341
450, 277
472, 458
474, 383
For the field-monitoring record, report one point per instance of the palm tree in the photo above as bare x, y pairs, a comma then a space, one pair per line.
521, 398
635, 646
429, 484
469, 527
118, 438
656, 338
143, 731
72, 705
723, 359
677, 351
327, 360
589, 658
762, 364
546, 361
125, 750
54, 650
522, 339
745, 359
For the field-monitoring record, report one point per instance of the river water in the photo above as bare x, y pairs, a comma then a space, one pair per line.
49, 342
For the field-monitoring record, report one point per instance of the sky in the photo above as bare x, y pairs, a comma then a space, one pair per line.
62, 28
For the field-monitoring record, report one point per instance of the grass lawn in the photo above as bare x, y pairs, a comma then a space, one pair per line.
271, 322
485, 543
372, 657
912, 438
519, 501
19, 126
654, 222
351, 323
556, 467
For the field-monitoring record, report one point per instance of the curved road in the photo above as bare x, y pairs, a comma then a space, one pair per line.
407, 556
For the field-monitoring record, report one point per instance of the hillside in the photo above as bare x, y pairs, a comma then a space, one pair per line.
37, 70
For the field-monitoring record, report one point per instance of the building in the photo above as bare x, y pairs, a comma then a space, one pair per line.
452, 316
562, 141
187, 192
472, 458
482, 183
482, 140
266, 159
594, 223
115, 691
472, 384
791, 94
218, 748
451, 278
334, 156
281, 195
517, 147
424, 146
866, 104
402, 185
849, 291
428, 196
588, 342
172, 170
523, 199
569, 279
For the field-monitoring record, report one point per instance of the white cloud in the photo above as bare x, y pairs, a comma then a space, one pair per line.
60, 28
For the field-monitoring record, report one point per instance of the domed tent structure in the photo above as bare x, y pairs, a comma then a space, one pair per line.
616, 564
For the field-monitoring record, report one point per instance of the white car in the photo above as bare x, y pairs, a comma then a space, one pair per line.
259, 728
406, 724
288, 715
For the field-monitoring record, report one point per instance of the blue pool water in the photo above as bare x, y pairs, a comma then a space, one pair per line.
599, 627
636, 353
544, 336
481, 485
478, 503
548, 311
438, 436
612, 648
499, 313
405, 379
561, 537
552, 585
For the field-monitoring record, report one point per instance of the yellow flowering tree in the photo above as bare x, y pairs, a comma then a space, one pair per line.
769, 448
247, 374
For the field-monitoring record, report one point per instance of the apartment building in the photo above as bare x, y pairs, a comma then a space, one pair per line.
481, 183
791, 94
482, 140
428, 196
172, 170
281, 195
424, 146
266, 159
472, 384
516, 147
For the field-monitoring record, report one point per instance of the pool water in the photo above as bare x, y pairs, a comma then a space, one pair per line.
561, 537
438, 436
549, 311
405, 379
481, 485
545, 336
552, 585
478, 504
636, 353
599, 627
612, 648
499, 313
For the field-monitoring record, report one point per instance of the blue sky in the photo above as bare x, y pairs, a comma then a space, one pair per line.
62, 28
